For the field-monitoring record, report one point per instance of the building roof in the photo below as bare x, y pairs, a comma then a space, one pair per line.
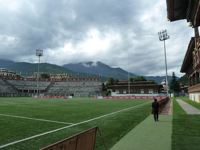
177, 9
184, 9
188, 59
135, 84
197, 15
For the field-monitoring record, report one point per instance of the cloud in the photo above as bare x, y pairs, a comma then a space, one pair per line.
118, 33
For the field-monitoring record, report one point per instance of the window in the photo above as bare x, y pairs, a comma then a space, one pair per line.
142, 91
150, 91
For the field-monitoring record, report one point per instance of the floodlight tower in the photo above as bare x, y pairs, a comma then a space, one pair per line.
128, 84
39, 53
162, 37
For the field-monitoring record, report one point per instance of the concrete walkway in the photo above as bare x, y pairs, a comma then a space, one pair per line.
148, 135
189, 109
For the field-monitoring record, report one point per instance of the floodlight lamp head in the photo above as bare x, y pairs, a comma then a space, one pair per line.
39, 52
163, 35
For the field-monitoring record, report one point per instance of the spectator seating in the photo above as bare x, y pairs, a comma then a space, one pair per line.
29, 85
5, 88
59, 88
76, 88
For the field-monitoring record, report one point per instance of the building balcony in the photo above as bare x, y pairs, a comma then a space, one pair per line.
194, 88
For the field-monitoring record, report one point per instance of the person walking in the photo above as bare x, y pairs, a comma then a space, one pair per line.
155, 109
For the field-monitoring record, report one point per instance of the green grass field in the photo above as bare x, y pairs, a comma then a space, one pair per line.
186, 128
66, 112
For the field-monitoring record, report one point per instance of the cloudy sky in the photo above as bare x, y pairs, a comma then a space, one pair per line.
120, 33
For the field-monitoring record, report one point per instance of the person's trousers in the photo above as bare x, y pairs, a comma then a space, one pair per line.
155, 114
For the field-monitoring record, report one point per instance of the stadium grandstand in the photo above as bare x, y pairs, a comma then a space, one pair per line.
64, 86
6, 89
75, 88
51, 88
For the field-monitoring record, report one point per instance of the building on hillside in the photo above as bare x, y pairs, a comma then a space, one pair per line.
7, 74
49, 76
61, 77
163, 83
189, 10
135, 88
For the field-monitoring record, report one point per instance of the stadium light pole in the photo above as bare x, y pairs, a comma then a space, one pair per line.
128, 84
162, 37
39, 53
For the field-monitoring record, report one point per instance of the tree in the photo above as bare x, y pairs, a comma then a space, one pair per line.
104, 88
131, 79
174, 84
183, 80
152, 81
45, 76
112, 81
138, 78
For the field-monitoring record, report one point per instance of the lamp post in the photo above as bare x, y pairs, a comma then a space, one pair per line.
162, 37
39, 53
128, 84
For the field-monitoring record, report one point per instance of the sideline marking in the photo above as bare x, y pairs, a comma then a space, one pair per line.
52, 131
29, 118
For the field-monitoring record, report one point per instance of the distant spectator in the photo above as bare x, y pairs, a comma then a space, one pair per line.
155, 109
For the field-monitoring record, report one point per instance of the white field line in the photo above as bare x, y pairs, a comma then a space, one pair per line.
52, 131
43, 120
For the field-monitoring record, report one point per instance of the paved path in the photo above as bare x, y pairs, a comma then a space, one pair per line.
148, 135
189, 109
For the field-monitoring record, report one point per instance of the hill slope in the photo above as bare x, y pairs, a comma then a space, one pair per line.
83, 69
98, 68
26, 69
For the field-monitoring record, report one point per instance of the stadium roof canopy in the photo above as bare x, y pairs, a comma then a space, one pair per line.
184, 9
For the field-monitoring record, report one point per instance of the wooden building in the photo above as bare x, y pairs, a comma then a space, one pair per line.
136, 87
190, 11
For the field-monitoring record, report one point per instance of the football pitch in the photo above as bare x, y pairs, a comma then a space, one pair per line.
28, 123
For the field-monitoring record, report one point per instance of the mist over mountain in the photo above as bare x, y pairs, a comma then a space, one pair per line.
98, 68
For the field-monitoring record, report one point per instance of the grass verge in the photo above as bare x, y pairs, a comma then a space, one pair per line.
193, 103
186, 130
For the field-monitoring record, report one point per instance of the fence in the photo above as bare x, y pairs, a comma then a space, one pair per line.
82, 141
162, 103
135, 97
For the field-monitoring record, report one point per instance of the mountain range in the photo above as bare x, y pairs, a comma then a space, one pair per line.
99, 68
26, 69
84, 69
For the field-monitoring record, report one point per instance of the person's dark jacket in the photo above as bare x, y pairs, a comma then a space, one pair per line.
155, 107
